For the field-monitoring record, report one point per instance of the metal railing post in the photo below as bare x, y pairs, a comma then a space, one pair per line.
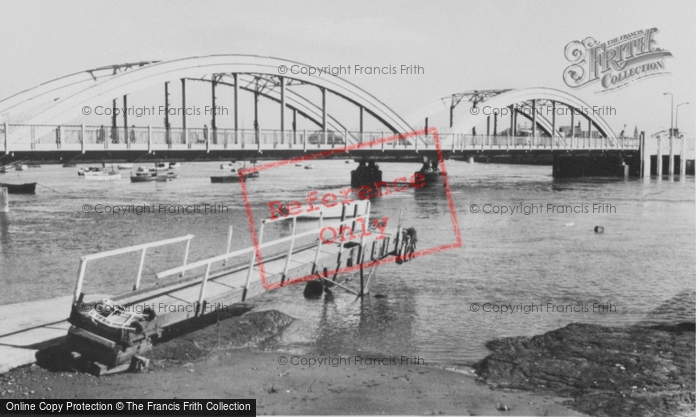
252, 261
304, 138
291, 249
314, 267
340, 228
203, 289
187, 251
362, 240
346, 141
150, 140
81, 276
260, 140
6, 134
208, 138
228, 245
383, 141
138, 274
82, 138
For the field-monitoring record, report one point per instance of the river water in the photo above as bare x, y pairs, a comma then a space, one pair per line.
547, 268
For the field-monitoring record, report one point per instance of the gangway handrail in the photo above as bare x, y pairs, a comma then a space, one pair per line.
256, 249
142, 247
226, 256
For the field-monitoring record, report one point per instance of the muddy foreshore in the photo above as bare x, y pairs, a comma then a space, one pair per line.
576, 370
608, 371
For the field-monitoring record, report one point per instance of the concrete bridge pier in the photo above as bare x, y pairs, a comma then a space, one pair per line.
366, 173
610, 164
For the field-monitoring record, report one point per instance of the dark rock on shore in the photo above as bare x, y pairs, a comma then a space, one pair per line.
250, 330
608, 371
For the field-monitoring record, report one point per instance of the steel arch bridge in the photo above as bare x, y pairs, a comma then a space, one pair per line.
55, 102
540, 106
37, 119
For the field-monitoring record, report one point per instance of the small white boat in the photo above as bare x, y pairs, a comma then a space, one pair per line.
175, 165
227, 165
103, 176
21, 167
298, 165
309, 166
162, 165
125, 166
84, 170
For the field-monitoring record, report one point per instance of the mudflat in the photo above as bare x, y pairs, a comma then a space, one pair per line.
228, 360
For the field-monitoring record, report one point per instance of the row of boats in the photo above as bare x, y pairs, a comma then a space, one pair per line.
162, 172
18, 166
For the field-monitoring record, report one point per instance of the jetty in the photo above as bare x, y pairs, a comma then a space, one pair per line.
110, 333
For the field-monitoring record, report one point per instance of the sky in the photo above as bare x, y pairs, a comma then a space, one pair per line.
462, 45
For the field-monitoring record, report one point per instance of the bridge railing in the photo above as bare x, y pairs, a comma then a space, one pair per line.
53, 137
460, 142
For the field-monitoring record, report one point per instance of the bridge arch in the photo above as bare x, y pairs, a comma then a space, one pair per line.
58, 101
520, 99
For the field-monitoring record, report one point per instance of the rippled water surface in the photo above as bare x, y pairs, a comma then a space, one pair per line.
643, 265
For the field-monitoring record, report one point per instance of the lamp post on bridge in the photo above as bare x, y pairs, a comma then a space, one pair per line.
682, 140
677, 106
670, 130
671, 168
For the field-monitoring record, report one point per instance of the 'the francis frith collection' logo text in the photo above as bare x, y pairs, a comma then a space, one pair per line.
615, 63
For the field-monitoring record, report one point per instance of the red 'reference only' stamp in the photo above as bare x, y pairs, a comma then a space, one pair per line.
279, 209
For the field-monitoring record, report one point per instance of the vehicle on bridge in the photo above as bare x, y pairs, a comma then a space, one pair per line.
332, 138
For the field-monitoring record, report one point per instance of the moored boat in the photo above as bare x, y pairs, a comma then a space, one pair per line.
227, 165
309, 166
21, 167
28, 188
175, 165
151, 174
84, 170
103, 176
128, 165
225, 178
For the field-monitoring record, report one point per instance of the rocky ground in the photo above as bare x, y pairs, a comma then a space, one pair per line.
636, 371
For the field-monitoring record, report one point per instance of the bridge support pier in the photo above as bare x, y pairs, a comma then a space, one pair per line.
366, 173
566, 165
